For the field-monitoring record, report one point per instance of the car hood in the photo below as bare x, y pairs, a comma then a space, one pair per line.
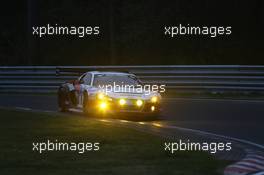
143, 95
131, 94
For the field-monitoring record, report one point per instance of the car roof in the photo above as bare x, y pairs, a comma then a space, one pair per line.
109, 73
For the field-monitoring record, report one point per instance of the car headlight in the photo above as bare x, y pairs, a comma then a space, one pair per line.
103, 105
122, 101
139, 102
154, 99
103, 97
100, 96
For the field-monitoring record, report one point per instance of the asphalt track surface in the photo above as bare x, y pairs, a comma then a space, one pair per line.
241, 119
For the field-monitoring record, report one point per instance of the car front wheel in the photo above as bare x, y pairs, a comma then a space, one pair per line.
62, 100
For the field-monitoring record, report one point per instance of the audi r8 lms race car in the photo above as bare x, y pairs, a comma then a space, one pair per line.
106, 93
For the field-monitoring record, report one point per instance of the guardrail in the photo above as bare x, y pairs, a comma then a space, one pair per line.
211, 78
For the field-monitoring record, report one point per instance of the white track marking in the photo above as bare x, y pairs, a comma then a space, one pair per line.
217, 135
48, 111
75, 110
23, 108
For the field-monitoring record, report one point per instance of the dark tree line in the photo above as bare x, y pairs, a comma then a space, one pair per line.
131, 32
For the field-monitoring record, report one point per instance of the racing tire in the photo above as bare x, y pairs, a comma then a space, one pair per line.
85, 103
62, 99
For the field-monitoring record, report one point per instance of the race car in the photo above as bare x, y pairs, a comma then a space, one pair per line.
106, 93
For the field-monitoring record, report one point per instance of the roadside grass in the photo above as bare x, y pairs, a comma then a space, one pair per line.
122, 150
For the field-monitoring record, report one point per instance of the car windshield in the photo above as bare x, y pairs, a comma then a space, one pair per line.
101, 80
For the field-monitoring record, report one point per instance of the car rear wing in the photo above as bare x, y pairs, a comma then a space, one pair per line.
79, 70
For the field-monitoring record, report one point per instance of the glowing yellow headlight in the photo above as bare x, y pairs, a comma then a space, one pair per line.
139, 102
103, 105
122, 102
100, 96
154, 99
152, 108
